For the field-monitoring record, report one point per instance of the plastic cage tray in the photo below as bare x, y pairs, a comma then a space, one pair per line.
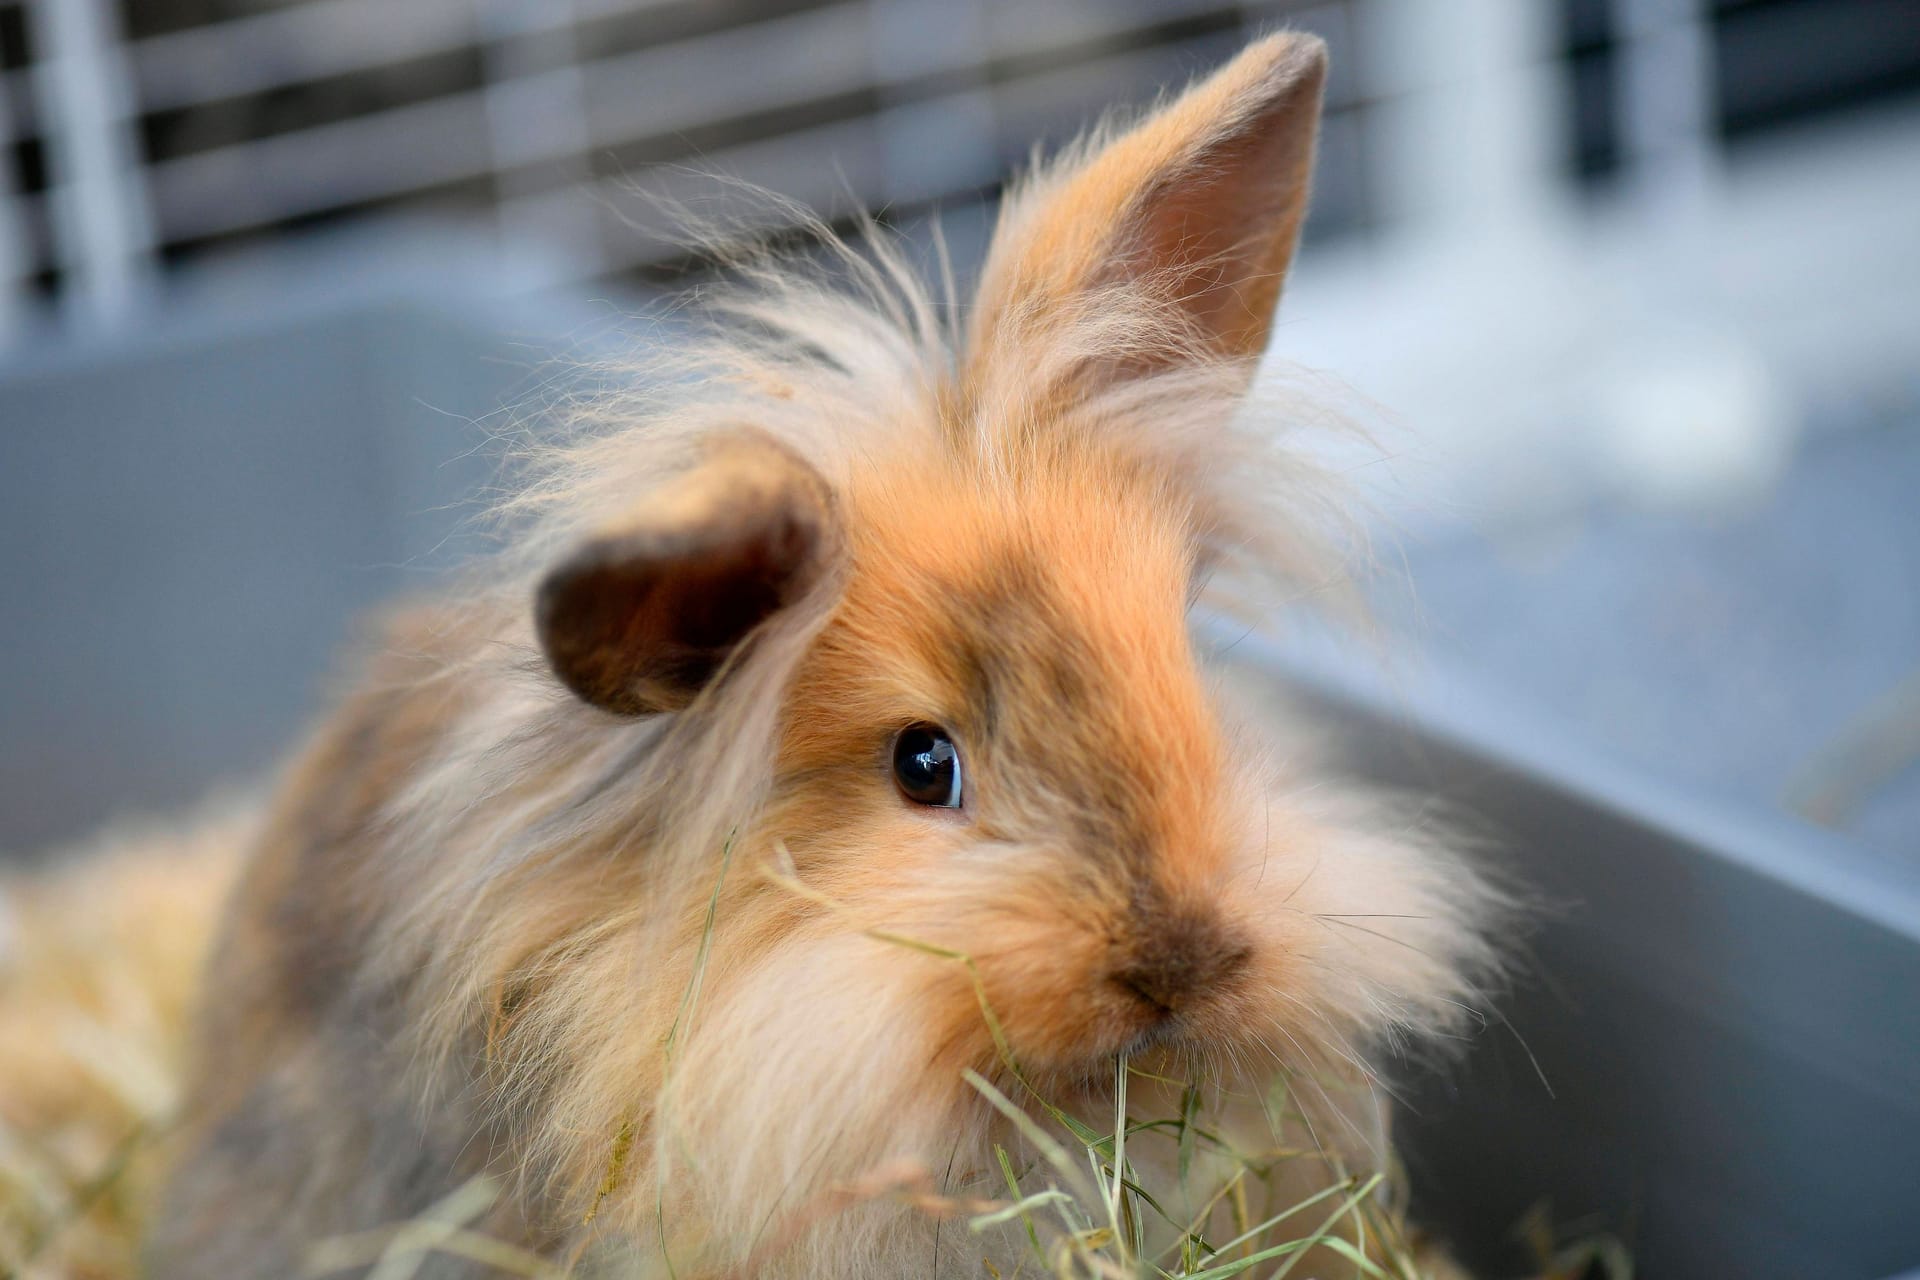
1726, 1005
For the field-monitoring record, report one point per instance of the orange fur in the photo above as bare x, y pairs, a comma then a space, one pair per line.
672, 961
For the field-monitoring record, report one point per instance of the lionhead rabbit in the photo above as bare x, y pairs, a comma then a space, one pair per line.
824, 797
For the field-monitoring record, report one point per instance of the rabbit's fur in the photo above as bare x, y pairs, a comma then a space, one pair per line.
601, 884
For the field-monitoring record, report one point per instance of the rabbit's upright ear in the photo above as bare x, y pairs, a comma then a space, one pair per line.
1197, 207
639, 618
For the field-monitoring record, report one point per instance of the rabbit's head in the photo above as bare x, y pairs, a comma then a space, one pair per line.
885, 733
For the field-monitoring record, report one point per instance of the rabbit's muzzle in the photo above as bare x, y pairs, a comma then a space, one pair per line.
1179, 959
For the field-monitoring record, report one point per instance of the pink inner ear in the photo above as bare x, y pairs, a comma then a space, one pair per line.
1199, 205
1220, 228
1204, 255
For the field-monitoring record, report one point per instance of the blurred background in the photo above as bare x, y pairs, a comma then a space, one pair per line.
1627, 292
1636, 284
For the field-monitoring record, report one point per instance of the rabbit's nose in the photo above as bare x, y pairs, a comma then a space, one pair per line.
1180, 961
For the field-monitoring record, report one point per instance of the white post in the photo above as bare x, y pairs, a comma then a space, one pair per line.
102, 228
1666, 107
538, 131
1697, 415
1468, 104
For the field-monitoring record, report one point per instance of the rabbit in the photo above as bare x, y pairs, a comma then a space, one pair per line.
824, 792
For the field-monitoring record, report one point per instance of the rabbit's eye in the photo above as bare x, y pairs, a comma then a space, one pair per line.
926, 765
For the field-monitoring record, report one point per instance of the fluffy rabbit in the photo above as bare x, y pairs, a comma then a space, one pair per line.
828, 771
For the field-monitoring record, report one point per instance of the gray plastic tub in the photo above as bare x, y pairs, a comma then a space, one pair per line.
192, 516
1714, 1046
1725, 1004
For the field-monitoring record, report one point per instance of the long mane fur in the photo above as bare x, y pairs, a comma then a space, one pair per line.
572, 906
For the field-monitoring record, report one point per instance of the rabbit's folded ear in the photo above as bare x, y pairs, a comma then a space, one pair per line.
641, 617
1197, 207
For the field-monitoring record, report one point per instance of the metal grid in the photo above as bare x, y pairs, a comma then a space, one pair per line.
136, 150
146, 137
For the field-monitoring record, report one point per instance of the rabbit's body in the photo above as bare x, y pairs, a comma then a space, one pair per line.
855, 751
